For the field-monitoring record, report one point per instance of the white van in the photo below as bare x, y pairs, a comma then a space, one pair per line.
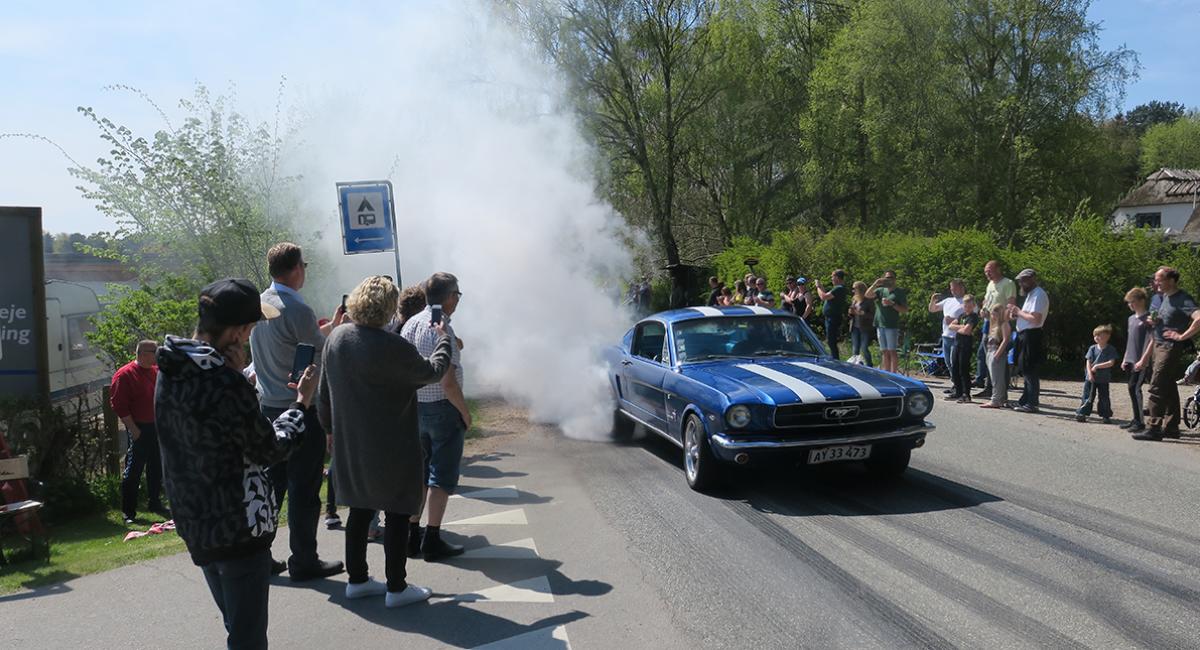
74, 367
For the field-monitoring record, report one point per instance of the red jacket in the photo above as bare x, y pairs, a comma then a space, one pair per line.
132, 393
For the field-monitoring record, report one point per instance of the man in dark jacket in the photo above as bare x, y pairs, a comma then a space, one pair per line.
216, 445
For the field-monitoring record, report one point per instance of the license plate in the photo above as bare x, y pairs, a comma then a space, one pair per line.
844, 452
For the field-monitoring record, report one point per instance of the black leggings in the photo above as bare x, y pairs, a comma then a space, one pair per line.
963, 351
395, 547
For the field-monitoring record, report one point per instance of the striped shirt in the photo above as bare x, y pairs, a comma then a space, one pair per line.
417, 330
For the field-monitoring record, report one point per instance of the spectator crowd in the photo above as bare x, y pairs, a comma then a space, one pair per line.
377, 388
987, 338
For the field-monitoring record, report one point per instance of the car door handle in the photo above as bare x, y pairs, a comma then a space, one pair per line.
626, 362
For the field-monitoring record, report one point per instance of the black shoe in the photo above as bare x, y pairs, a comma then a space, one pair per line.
1171, 434
277, 567
1135, 427
415, 533
1025, 408
948, 391
954, 397
333, 521
1153, 433
1107, 420
979, 383
434, 549
1081, 418
321, 569
129, 520
1128, 425
983, 393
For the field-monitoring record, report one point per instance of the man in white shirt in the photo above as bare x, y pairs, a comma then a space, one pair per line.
950, 308
1031, 351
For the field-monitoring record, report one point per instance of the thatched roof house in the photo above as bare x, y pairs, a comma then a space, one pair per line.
1169, 199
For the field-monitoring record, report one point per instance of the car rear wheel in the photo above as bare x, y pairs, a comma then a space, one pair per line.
889, 462
622, 427
699, 466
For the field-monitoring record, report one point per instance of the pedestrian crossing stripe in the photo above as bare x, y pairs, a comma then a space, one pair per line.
506, 492
522, 549
506, 518
532, 590
547, 638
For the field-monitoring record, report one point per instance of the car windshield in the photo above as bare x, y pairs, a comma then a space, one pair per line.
755, 336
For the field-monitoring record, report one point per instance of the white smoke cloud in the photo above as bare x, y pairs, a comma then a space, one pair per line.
492, 183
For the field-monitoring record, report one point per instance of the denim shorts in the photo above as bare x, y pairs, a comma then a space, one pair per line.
442, 437
889, 337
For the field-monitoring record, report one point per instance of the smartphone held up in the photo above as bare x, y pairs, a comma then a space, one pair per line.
303, 359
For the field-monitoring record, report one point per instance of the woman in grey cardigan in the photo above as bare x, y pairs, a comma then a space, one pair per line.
367, 400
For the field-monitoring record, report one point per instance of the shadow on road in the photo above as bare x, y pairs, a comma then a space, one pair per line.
813, 490
475, 466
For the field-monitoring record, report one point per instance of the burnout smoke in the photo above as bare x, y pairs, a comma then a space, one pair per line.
492, 183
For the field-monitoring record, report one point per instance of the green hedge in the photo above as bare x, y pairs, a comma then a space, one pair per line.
1084, 265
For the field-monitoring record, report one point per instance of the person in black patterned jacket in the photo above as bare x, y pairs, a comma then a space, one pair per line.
216, 445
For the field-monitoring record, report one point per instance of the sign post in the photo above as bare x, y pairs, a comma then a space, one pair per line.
24, 356
368, 219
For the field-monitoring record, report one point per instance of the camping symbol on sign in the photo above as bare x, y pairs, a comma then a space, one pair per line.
366, 216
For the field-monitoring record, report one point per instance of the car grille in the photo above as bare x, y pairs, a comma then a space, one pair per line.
832, 414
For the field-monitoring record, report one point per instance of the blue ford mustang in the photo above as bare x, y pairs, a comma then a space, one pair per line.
747, 384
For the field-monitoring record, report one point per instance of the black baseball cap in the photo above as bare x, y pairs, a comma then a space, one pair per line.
232, 302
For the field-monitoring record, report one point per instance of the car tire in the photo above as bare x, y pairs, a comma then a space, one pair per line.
622, 427
889, 462
700, 467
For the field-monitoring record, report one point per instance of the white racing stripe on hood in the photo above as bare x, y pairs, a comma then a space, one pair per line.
807, 393
708, 311
758, 309
865, 390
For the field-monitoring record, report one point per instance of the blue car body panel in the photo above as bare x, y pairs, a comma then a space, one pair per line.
659, 392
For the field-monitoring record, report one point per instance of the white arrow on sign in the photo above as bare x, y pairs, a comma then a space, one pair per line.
359, 240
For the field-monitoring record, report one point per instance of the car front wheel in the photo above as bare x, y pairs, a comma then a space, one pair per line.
889, 462
699, 466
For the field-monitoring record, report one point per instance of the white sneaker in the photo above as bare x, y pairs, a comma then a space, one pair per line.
411, 594
366, 589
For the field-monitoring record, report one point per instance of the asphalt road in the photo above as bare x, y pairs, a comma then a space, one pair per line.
1008, 531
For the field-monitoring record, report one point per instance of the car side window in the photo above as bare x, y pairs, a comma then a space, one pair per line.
649, 341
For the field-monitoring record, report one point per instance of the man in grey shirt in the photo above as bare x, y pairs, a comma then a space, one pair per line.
273, 346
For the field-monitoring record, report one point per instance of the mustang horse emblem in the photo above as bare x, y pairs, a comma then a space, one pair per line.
840, 412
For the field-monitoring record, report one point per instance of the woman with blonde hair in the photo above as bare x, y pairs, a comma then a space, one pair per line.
367, 401
862, 319
998, 338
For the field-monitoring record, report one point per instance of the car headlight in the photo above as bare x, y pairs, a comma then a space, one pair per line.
738, 416
918, 404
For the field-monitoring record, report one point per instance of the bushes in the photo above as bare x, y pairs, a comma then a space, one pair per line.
1084, 265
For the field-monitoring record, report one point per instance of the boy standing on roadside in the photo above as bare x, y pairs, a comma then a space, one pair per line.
1137, 354
1101, 357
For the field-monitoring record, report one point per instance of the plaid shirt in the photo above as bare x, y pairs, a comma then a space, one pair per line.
419, 332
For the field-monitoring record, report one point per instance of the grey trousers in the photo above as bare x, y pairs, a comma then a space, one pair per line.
998, 369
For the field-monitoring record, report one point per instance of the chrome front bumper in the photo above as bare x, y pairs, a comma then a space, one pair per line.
725, 442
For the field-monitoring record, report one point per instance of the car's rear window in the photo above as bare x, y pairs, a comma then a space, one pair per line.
730, 336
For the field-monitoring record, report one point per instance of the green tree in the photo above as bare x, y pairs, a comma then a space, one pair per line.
1174, 144
1143, 116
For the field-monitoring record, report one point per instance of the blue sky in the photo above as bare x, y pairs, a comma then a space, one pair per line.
55, 56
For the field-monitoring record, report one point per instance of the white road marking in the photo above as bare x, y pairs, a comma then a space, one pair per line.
807, 393
522, 549
506, 492
533, 590
506, 518
547, 638
865, 390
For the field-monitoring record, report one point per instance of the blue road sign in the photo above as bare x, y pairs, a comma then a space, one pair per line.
368, 216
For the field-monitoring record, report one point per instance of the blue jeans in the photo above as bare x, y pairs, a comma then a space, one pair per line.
860, 343
299, 478
1092, 391
240, 588
948, 354
443, 434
